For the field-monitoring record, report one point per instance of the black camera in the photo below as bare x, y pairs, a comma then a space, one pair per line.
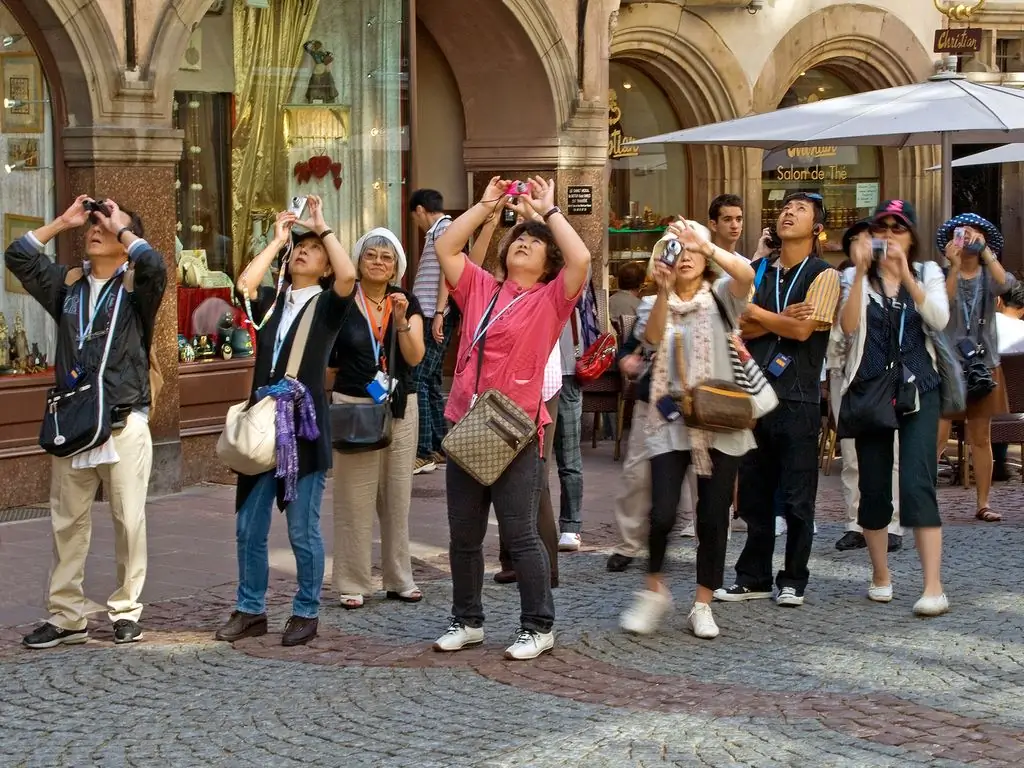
976, 374
96, 207
774, 242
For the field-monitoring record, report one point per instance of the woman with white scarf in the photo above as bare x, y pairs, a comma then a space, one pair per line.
377, 483
686, 314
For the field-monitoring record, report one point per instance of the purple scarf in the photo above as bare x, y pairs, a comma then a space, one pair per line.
293, 400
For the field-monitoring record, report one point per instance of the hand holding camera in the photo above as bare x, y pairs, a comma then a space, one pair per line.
283, 227
541, 195
664, 277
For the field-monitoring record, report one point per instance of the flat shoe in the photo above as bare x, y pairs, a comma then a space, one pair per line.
351, 602
988, 515
409, 596
880, 594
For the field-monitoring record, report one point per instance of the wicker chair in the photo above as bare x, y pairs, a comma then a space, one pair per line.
1009, 428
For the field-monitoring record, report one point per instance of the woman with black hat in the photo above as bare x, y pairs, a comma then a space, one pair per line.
888, 302
974, 280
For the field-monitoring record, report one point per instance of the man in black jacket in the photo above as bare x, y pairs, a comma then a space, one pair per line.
117, 291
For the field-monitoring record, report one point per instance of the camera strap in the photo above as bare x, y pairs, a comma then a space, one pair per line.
980, 291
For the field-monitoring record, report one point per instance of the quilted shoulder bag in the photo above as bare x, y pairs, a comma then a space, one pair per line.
248, 442
714, 405
78, 418
495, 429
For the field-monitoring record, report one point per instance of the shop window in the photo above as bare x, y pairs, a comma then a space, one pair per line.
648, 182
849, 178
316, 106
27, 197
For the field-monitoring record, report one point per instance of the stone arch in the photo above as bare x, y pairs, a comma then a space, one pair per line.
869, 48
702, 78
178, 20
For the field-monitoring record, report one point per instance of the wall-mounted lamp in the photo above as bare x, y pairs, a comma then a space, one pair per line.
8, 40
20, 166
755, 6
15, 103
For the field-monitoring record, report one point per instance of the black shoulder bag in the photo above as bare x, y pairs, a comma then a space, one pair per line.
869, 405
78, 416
361, 427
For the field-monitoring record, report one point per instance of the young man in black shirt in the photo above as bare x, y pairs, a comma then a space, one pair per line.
786, 329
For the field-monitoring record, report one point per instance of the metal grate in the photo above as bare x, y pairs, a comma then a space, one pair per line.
21, 514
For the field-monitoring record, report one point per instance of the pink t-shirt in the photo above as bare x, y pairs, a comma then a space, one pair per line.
518, 343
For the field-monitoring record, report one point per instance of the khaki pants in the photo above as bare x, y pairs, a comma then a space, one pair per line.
72, 492
633, 505
851, 488
374, 483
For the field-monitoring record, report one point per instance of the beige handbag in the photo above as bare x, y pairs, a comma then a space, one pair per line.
494, 431
714, 405
248, 443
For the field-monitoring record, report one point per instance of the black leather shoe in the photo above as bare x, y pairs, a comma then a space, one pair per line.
895, 542
851, 540
126, 631
505, 577
242, 625
618, 563
299, 631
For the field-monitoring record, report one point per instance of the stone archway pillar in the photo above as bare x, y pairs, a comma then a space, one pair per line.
136, 167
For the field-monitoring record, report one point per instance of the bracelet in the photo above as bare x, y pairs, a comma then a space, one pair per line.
326, 232
121, 232
551, 213
408, 327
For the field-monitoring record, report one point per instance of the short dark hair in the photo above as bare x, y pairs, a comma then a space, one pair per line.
1015, 296
724, 201
431, 200
816, 200
542, 232
631, 275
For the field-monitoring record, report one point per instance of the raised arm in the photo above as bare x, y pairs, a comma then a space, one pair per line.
249, 281
575, 253
147, 263
342, 268
734, 266
448, 246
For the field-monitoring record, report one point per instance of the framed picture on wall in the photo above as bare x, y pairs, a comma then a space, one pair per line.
15, 226
22, 81
23, 152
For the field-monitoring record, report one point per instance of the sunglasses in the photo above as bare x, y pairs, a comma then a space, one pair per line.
896, 227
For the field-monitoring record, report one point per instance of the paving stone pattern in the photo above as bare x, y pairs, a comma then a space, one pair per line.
839, 682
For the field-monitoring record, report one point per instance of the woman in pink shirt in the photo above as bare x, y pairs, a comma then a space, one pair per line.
546, 265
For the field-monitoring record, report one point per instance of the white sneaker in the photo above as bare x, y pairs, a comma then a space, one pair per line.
702, 622
459, 636
689, 530
646, 612
931, 605
530, 645
880, 594
788, 597
423, 466
780, 526
738, 524
569, 542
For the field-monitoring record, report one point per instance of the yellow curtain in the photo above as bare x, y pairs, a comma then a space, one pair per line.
268, 54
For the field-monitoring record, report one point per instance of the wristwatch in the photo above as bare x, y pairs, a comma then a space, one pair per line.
552, 212
121, 232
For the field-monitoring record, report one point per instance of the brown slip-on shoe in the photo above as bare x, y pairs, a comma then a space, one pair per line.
505, 577
242, 625
299, 631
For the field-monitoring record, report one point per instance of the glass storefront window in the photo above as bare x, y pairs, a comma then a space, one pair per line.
27, 196
313, 105
849, 178
648, 182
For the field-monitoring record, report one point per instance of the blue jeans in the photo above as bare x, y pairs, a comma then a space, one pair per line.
252, 529
569, 455
427, 385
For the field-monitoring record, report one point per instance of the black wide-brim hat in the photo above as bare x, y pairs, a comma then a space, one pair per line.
993, 237
848, 236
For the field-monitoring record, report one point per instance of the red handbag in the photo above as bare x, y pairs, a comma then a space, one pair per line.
598, 358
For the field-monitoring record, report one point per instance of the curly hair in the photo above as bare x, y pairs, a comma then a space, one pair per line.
554, 262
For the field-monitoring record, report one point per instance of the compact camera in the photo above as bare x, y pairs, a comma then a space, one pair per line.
959, 236
668, 250
517, 188
879, 249
297, 206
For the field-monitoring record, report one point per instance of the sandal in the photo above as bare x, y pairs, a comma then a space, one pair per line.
351, 602
409, 596
988, 515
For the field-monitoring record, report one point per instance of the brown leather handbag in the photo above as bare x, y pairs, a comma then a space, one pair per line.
714, 405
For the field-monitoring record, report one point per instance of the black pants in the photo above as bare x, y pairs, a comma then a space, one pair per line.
714, 494
515, 498
919, 506
784, 462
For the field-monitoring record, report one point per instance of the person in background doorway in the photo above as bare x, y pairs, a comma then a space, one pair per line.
626, 299
568, 431
1010, 334
854, 536
427, 209
974, 280
725, 221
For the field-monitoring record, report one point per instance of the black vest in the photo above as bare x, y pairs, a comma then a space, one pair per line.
801, 381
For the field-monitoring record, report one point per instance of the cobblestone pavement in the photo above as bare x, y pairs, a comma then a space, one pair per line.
839, 682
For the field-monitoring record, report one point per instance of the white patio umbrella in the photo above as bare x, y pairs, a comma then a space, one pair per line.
1008, 153
944, 110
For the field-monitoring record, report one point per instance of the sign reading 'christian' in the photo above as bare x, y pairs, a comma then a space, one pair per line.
966, 40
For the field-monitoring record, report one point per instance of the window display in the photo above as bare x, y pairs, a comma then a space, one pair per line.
847, 177
648, 182
27, 196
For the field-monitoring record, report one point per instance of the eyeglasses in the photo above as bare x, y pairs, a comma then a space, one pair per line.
896, 227
383, 258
